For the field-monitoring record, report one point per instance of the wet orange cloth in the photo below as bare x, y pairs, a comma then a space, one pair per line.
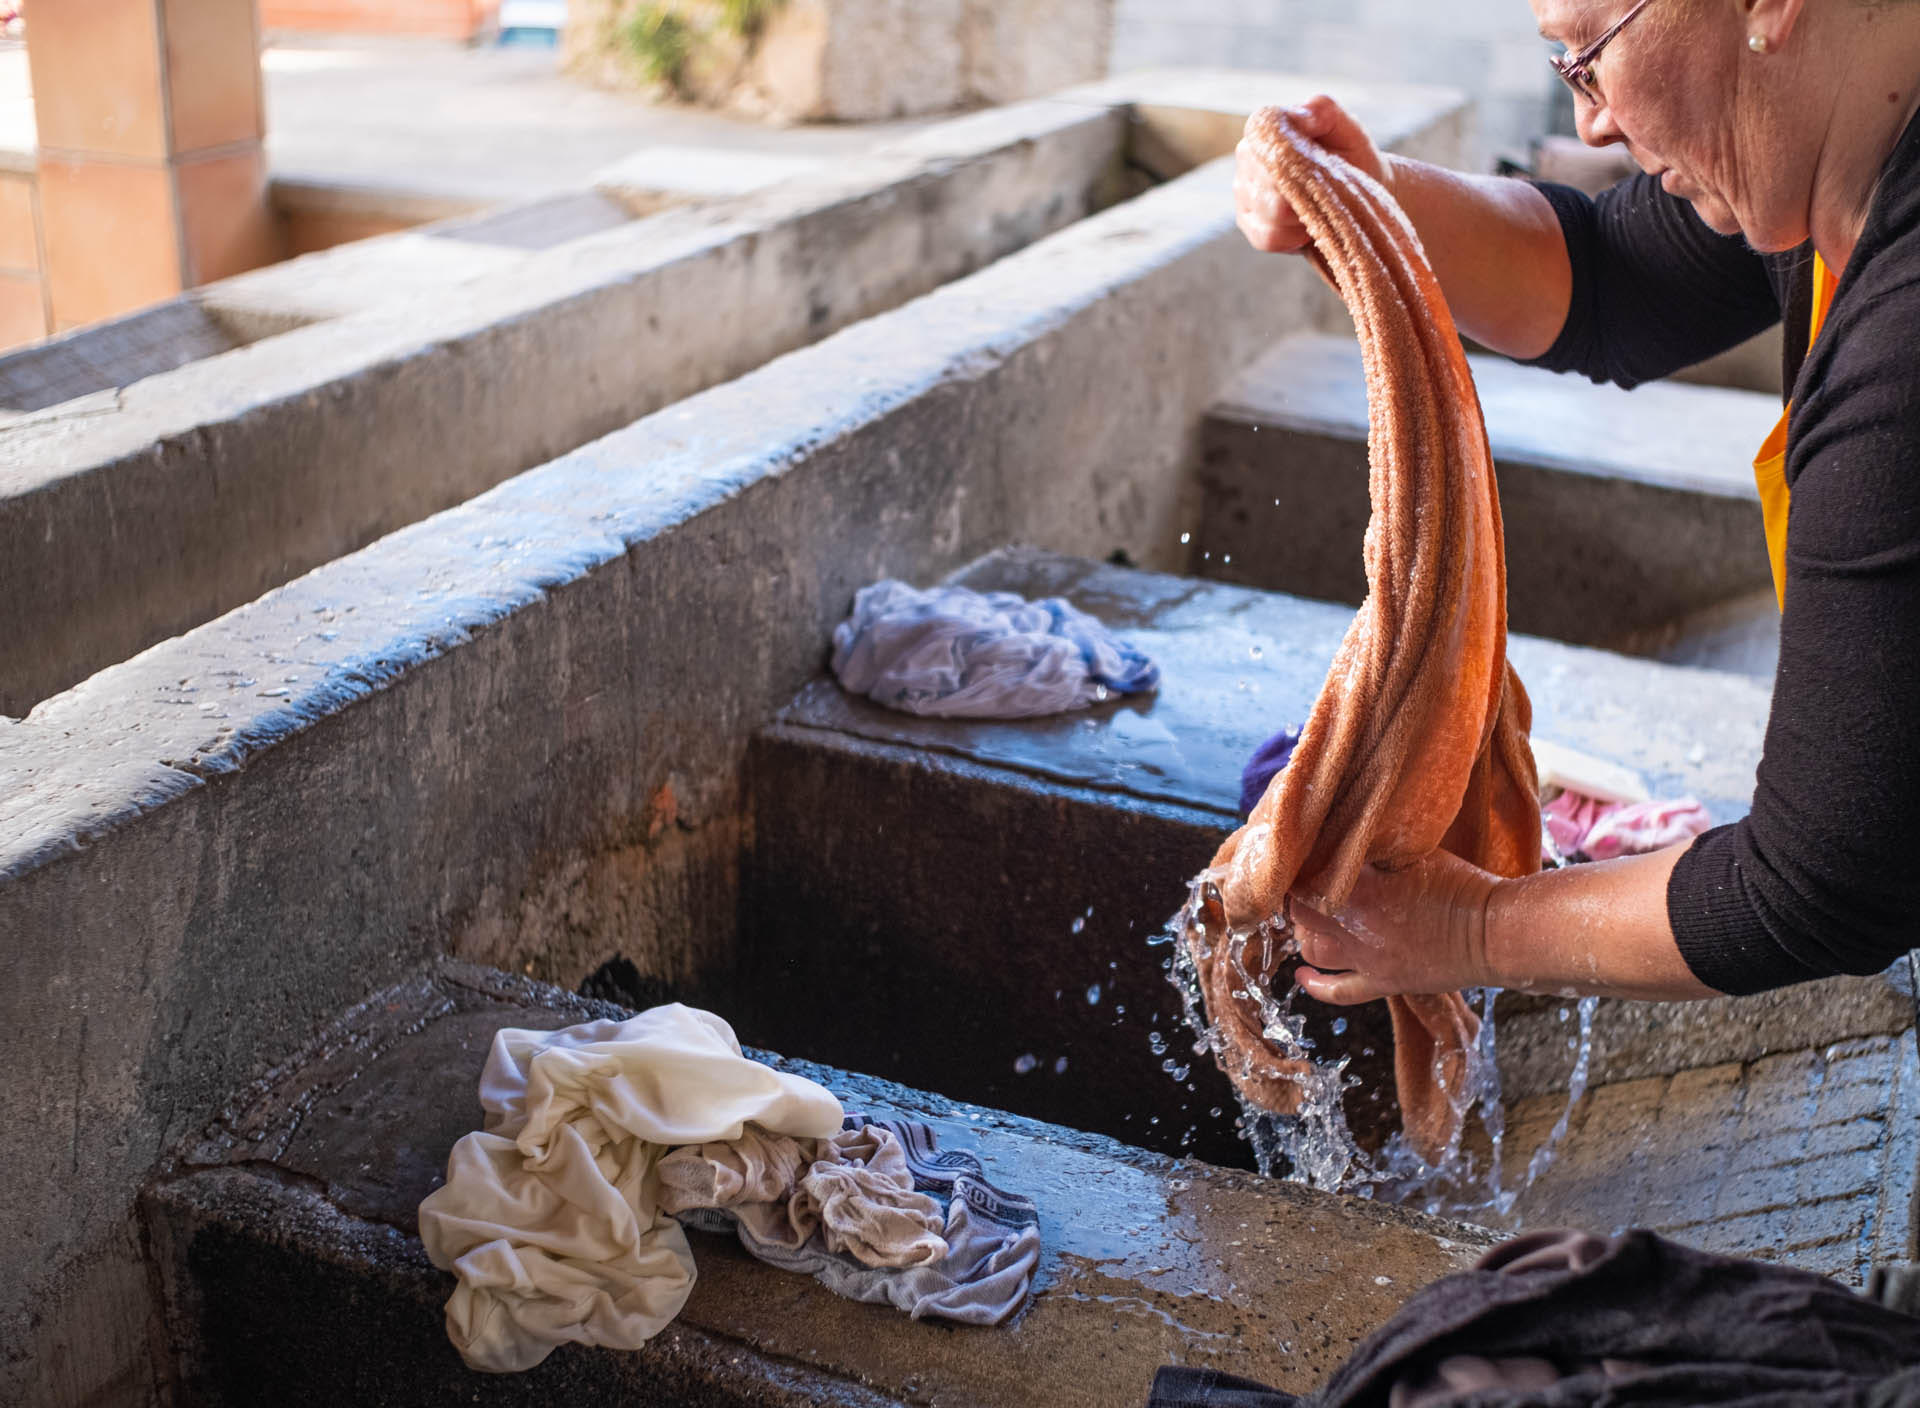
1418, 738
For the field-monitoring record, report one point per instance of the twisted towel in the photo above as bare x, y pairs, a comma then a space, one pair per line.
1418, 738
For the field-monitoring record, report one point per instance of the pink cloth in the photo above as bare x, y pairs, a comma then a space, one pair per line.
1604, 830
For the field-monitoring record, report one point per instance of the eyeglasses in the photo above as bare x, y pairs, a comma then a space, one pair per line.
1577, 68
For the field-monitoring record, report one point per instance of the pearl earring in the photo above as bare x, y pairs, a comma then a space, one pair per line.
1757, 43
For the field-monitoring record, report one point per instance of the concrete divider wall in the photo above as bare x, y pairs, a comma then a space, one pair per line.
515, 730
520, 723
195, 490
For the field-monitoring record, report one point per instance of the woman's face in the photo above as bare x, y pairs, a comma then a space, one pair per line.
1669, 84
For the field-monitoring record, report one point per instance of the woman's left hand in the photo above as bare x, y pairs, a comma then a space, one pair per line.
1422, 929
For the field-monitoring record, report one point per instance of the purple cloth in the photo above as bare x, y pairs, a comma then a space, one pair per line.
1267, 760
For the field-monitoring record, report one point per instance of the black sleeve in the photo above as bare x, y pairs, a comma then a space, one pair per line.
1654, 289
1824, 876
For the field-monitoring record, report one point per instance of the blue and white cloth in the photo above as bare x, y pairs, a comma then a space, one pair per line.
993, 1240
957, 653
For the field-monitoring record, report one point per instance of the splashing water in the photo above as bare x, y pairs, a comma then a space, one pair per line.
1315, 1146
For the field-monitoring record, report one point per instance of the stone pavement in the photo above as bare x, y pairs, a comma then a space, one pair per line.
487, 124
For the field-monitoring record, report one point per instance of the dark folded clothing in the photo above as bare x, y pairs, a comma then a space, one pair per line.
1209, 1388
1560, 1319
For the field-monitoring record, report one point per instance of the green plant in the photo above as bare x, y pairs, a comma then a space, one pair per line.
744, 17
659, 41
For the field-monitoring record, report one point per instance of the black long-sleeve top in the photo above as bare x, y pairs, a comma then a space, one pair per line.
1822, 877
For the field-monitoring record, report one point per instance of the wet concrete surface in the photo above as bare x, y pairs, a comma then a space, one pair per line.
994, 886
1237, 664
998, 925
309, 1181
983, 881
1805, 1157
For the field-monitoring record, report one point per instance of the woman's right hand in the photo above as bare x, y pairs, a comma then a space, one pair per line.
1263, 214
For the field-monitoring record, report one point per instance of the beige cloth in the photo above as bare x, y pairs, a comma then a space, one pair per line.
855, 1189
1418, 739
551, 1218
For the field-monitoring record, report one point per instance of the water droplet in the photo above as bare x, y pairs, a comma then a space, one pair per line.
1026, 1064
1383, 1280
1339, 1026
1157, 1043
1060, 1066
1564, 1013
1078, 925
1257, 651
1093, 995
1186, 537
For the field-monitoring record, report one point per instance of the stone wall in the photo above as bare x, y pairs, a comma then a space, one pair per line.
848, 60
1487, 48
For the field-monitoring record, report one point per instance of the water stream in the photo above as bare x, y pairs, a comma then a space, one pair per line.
1315, 1145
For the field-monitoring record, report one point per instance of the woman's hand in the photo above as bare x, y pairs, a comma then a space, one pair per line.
1418, 930
1442, 924
1263, 214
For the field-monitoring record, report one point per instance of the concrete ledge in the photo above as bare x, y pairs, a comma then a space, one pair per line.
1624, 510
198, 489
517, 728
293, 1272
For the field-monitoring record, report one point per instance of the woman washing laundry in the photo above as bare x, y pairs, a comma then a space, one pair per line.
1782, 183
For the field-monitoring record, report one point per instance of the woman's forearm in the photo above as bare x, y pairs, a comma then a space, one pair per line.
1497, 248
1599, 928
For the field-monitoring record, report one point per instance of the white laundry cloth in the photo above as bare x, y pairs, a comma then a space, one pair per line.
855, 1192
992, 1237
958, 653
550, 1218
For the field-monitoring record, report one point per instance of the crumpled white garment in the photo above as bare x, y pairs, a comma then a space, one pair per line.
855, 1191
864, 1199
957, 653
550, 1218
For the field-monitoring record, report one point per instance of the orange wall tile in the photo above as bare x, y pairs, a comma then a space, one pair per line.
456, 19
22, 314
19, 239
96, 78
213, 72
110, 234
228, 224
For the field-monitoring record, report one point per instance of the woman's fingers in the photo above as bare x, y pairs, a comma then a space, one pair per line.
1415, 930
1263, 214
1332, 960
1340, 989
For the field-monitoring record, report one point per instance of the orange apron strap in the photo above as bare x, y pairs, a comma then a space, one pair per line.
1770, 465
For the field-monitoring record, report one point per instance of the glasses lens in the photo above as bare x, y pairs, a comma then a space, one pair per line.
1578, 77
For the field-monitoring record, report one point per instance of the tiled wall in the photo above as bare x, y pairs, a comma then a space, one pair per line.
24, 314
1489, 48
152, 176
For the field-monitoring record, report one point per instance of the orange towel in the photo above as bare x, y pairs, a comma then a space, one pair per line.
1418, 739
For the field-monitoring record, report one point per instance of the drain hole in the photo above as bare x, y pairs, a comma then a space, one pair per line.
617, 980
